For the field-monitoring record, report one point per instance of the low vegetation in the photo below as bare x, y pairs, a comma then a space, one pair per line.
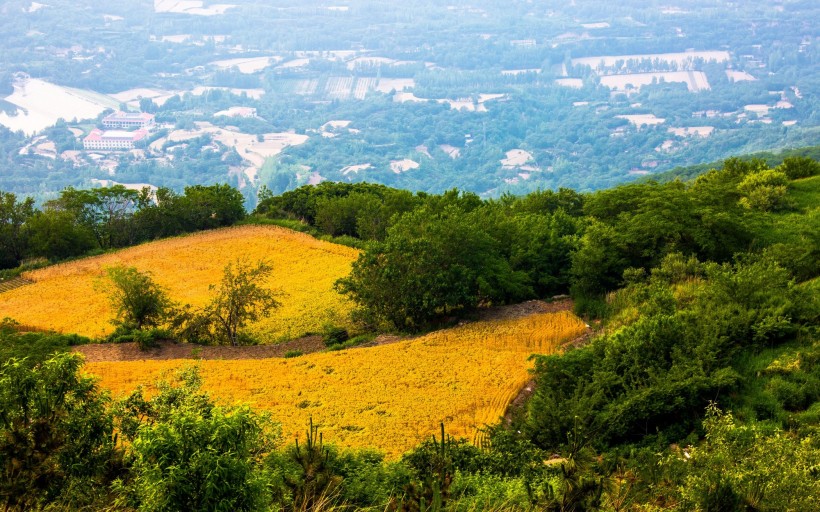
700, 392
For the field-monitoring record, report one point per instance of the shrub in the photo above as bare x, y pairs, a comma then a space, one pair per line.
187, 453
764, 190
144, 338
139, 301
796, 167
335, 335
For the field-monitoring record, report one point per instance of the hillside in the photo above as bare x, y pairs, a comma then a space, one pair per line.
699, 390
253, 93
70, 297
693, 171
389, 397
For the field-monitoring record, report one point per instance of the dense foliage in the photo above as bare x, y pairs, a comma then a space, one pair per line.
436, 254
239, 298
79, 221
700, 393
452, 57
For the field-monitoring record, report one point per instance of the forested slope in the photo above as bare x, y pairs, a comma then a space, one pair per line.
700, 393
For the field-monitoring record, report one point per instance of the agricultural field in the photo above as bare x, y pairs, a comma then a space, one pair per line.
306, 87
338, 87
682, 59
386, 85
363, 86
388, 397
70, 298
247, 145
247, 65
640, 120
516, 158
194, 7
693, 131
695, 80
739, 76
132, 97
575, 83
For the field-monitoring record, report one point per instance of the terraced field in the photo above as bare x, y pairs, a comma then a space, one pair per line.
10, 284
70, 298
389, 396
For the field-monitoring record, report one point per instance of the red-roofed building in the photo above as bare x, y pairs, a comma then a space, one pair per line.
128, 120
113, 139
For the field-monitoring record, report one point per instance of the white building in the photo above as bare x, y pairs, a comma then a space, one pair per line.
128, 120
113, 139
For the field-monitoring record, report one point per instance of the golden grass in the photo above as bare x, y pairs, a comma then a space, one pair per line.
389, 397
69, 298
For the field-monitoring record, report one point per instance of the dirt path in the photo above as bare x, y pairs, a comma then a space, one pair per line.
308, 344
170, 350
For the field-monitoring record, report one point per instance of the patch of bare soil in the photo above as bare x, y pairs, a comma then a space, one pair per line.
531, 307
171, 350
518, 403
306, 345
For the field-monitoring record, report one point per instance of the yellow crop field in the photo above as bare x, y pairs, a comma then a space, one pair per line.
390, 396
69, 297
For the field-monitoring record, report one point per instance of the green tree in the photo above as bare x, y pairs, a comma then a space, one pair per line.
14, 215
165, 216
764, 190
796, 167
107, 212
56, 235
186, 453
431, 264
208, 207
240, 298
139, 301
745, 467
56, 442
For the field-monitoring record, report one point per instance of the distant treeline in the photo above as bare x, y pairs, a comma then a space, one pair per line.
691, 172
82, 221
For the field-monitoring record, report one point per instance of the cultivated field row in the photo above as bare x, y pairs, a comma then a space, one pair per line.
71, 298
389, 397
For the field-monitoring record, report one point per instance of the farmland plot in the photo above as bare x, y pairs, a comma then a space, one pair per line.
363, 86
248, 65
338, 87
305, 87
195, 7
68, 297
42, 103
386, 85
640, 120
695, 80
682, 59
389, 397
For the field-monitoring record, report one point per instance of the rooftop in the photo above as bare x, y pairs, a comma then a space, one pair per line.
98, 134
129, 116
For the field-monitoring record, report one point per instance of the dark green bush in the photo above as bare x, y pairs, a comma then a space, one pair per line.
335, 335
